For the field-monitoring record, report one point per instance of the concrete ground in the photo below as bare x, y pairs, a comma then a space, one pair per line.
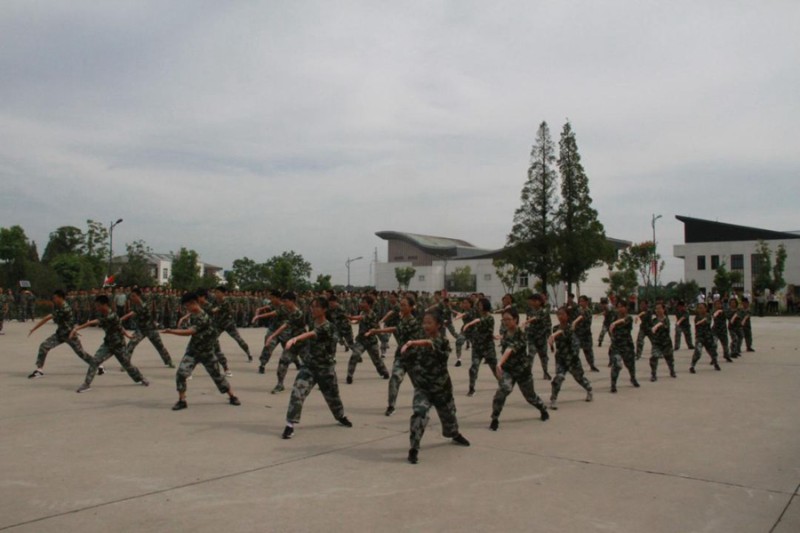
715, 451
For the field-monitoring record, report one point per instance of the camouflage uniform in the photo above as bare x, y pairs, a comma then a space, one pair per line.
747, 329
583, 335
567, 361
3, 308
736, 331
113, 345
145, 328
408, 329
661, 343
296, 325
623, 350
465, 336
537, 332
225, 321
447, 319
704, 339
318, 367
368, 344
611, 317
685, 328
62, 317
720, 329
482, 349
201, 350
272, 326
516, 370
608, 318
344, 330
646, 323
432, 388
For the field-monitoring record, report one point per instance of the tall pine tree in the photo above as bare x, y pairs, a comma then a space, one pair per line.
533, 237
582, 239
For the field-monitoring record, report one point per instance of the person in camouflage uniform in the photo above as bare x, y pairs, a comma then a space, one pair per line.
735, 317
515, 367
225, 319
274, 314
747, 326
608, 318
145, 327
646, 323
406, 329
661, 343
682, 326
293, 325
467, 315
703, 338
367, 321
318, 367
483, 348
62, 317
200, 350
113, 344
567, 359
720, 329
622, 346
582, 326
432, 385
537, 331
340, 321
3, 309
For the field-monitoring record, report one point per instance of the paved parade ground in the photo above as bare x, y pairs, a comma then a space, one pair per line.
715, 451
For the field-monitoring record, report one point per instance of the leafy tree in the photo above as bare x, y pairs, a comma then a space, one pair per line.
639, 258
15, 251
507, 272
404, 275
323, 283
770, 276
248, 275
136, 270
64, 240
623, 283
75, 271
289, 271
582, 239
725, 280
534, 234
462, 280
185, 270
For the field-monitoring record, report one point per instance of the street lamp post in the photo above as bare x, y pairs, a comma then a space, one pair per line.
347, 264
654, 264
111, 227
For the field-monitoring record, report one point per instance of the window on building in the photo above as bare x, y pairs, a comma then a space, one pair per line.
412, 257
523, 279
398, 258
737, 262
165, 273
421, 277
487, 277
714, 262
701, 262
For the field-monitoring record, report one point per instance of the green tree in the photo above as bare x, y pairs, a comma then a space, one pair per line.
639, 258
185, 270
581, 239
289, 271
15, 254
534, 234
248, 275
404, 275
725, 281
65, 240
769, 275
623, 283
323, 283
462, 279
507, 272
136, 270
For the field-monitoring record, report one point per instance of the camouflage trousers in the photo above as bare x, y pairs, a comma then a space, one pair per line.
574, 367
657, 353
231, 330
584, 342
154, 338
372, 350
748, 336
506, 384
287, 357
622, 355
603, 333
346, 337
448, 326
52, 341
461, 339
737, 336
722, 337
266, 351
484, 353
104, 353
221, 359
399, 371
643, 334
539, 347
441, 400
304, 383
191, 360
384, 338
708, 343
687, 332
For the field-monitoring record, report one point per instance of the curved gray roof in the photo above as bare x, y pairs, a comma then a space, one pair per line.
436, 246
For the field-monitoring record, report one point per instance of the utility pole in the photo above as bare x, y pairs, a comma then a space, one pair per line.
111, 227
347, 264
654, 264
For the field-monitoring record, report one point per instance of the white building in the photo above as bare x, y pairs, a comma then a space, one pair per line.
435, 259
708, 244
161, 267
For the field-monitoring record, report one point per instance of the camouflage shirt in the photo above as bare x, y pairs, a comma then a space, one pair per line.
393, 320
144, 317
296, 323
518, 362
584, 327
621, 338
537, 330
702, 329
322, 347
368, 322
202, 341
661, 338
564, 347
113, 329
224, 314
62, 317
484, 331
429, 368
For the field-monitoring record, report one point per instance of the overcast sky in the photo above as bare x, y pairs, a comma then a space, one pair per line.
250, 128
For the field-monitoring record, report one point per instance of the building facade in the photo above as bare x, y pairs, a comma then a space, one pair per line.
161, 267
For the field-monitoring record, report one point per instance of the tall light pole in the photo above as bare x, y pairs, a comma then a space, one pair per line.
654, 264
111, 227
347, 264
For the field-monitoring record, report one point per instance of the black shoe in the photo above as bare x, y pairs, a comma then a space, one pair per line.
35, 374
170, 364
653, 378
750, 350
545, 415
716, 367
349, 380
594, 368
143, 382
460, 439
471, 392
413, 456
728, 359
494, 424
672, 374
692, 370
614, 389
180, 404
261, 369
389, 411
233, 400
385, 376
548, 377
288, 431
635, 383
458, 362
345, 422
101, 370
249, 358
